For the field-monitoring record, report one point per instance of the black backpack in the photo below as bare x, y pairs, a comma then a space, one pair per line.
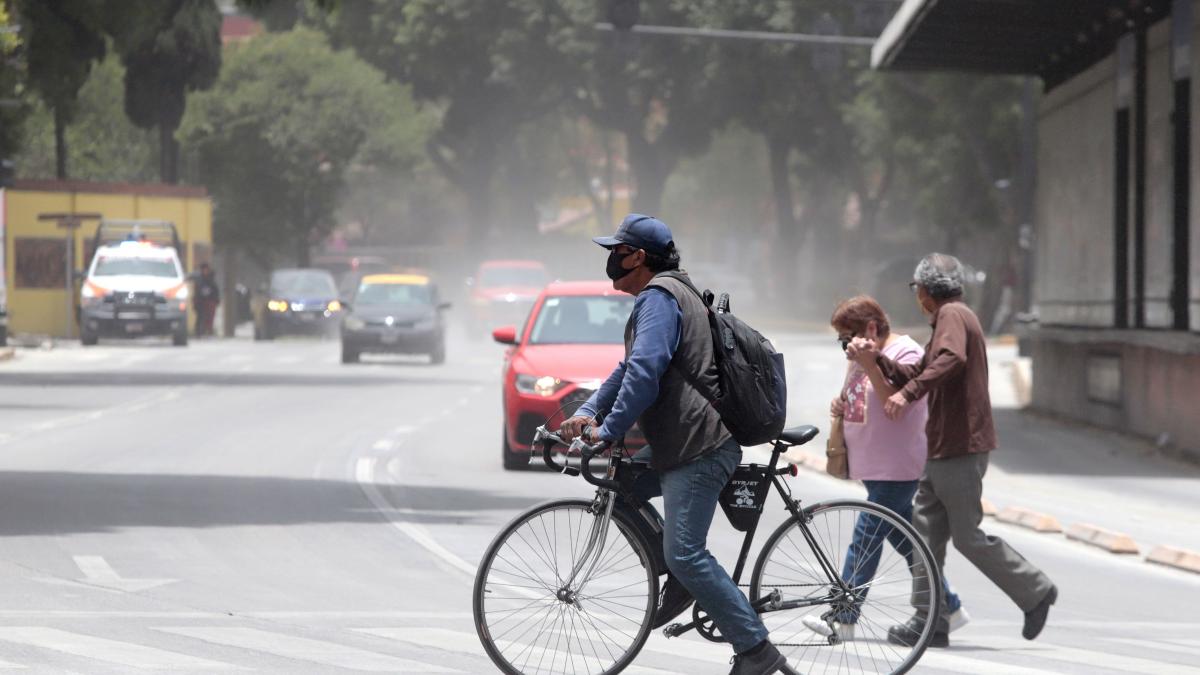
752, 400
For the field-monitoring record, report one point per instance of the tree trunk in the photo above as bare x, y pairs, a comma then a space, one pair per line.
60, 144
651, 168
168, 155
789, 233
303, 254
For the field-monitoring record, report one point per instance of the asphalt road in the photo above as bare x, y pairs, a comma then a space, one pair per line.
258, 506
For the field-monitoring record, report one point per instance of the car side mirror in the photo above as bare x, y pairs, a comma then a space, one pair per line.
445, 305
506, 335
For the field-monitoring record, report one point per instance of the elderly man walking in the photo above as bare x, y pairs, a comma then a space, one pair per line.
954, 375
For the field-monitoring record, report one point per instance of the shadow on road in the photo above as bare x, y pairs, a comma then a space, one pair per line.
364, 378
39, 503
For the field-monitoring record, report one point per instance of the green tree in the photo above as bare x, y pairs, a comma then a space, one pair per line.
168, 48
274, 139
64, 39
12, 107
105, 145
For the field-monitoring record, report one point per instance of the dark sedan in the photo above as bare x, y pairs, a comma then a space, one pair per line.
395, 314
297, 302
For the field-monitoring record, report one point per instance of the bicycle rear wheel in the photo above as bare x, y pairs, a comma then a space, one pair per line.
825, 627
530, 619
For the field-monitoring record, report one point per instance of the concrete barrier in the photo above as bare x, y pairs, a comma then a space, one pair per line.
1180, 559
1038, 522
989, 509
1113, 542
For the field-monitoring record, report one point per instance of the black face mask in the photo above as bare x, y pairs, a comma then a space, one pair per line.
613, 268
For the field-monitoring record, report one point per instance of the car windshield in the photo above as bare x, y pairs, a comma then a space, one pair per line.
493, 277
108, 266
394, 294
305, 282
582, 319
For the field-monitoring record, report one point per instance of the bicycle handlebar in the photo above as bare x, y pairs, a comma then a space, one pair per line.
548, 439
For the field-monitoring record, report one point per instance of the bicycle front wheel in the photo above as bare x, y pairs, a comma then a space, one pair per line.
532, 617
841, 579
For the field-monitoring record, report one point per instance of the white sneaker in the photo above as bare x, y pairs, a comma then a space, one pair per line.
816, 624
958, 618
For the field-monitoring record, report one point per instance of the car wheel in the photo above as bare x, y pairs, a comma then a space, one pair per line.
180, 338
88, 338
349, 355
438, 355
512, 460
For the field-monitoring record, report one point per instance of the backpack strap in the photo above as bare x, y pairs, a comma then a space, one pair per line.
707, 303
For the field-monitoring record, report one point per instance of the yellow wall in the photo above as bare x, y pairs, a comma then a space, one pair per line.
43, 310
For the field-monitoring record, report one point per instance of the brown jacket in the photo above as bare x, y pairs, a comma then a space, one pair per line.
954, 374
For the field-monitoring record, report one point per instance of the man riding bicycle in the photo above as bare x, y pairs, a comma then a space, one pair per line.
668, 354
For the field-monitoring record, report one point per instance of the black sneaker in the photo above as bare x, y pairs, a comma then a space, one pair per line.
1035, 619
762, 660
673, 600
907, 634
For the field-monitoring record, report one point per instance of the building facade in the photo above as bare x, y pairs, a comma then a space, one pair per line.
1116, 271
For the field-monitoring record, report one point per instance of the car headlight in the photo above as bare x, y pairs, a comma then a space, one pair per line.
334, 306
277, 305
545, 386
355, 323
182, 293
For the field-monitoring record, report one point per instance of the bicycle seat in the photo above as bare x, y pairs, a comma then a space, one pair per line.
798, 435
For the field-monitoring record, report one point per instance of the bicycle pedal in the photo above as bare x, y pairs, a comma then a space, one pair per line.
673, 630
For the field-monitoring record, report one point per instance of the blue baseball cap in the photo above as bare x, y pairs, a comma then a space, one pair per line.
639, 231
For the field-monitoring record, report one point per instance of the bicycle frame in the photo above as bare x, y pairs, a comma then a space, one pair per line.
613, 486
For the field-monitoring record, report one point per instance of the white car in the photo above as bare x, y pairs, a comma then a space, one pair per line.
134, 288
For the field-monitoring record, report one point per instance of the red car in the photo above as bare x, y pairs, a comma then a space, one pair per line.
573, 339
502, 292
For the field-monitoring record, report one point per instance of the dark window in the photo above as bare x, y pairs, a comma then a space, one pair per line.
40, 262
582, 319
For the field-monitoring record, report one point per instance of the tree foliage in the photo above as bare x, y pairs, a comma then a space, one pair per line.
168, 49
12, 83
64, 39
274, 139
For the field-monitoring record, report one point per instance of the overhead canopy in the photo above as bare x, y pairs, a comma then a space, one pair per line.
1053, 39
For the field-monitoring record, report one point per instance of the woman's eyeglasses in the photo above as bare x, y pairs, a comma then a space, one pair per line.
912, 286
844, 340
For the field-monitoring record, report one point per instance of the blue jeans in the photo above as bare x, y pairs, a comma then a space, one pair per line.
862, 558
690, 493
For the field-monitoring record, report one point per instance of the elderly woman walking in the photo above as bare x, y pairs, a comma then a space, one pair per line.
953, 377
887, 455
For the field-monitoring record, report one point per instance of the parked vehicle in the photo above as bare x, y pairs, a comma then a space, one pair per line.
502, 291
572, 341
297, 302
134, 286
395, 314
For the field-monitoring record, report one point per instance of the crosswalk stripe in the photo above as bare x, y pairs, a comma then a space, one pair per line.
462, 642
102, 649
936, 658
305, 649
1160, 644
1130, 664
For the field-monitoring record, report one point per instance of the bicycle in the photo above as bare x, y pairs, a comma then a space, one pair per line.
555, 593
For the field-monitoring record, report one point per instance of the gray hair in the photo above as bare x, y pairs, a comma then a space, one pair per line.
941, 275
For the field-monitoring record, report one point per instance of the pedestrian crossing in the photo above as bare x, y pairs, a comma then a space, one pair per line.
431, 649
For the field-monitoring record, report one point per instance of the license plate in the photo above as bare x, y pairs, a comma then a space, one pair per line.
307, 317
389, 338
133, 327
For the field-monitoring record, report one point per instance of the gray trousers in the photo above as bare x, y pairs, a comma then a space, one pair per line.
947, 508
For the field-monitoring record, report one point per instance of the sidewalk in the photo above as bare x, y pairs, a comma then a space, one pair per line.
1078, 474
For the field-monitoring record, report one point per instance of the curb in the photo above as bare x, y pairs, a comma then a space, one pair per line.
1113, 542
6, 353
989, 509
1038, 522
1180, 559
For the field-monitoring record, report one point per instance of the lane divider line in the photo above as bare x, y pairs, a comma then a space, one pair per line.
364, 473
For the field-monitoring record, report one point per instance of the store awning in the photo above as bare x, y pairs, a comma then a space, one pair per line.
1052, 39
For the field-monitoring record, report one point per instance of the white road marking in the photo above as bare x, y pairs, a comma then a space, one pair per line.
288, 360
1151, 645
102, 649
364, 473
939, 658
1130, 664
468, 643
98, 572
383, 445
401, 430
305, 649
